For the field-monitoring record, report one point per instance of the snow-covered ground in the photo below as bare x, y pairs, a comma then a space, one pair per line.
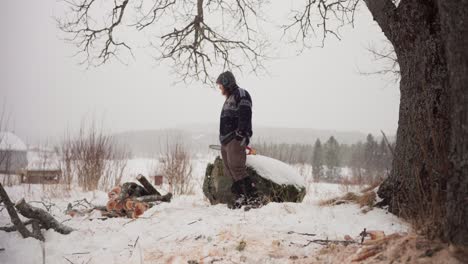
189, 228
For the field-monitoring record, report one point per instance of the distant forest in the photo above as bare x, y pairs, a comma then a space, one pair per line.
369, 161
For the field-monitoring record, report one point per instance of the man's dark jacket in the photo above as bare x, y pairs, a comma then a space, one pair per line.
236, 117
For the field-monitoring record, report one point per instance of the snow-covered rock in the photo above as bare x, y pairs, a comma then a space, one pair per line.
275, 180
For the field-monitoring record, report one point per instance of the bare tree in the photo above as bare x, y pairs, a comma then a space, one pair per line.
176, 167
195, 44
115, 167
65, 154
93, 158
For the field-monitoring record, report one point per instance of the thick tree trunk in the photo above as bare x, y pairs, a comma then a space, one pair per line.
429, 179
416, 187
455, 31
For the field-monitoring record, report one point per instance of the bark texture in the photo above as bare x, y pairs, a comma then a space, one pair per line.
454, 17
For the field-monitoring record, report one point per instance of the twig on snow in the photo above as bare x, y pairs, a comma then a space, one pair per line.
325, 242
196, 221
302, 234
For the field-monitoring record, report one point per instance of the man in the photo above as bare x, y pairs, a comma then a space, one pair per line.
235, 132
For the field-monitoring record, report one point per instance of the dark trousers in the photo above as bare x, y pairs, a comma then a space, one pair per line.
234, 158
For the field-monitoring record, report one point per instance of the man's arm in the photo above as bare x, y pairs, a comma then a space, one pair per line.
245, 115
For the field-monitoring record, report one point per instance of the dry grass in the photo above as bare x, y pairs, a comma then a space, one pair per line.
176, 167
395, 248
371, 187
366, 199
92, 159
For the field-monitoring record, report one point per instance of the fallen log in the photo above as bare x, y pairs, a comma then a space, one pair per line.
46, 220
15, 218
36, 230
147, 185
13, 228
100, 207
154, 198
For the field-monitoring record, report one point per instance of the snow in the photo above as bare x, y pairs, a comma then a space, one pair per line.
9, 141
276, 171
189, 228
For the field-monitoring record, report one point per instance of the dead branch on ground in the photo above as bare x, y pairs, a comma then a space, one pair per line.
19, 225
46, 220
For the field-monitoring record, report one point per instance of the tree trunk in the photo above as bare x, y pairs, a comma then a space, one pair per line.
455, 31
416, 186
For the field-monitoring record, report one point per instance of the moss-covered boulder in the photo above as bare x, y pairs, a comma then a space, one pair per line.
276, 181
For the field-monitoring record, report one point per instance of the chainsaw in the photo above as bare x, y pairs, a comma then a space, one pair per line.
250, 150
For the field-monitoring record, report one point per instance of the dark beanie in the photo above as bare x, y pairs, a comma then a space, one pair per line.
228, 80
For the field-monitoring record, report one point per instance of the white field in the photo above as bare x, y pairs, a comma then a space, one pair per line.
189, 228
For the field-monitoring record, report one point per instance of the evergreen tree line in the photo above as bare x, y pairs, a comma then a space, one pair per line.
368, 161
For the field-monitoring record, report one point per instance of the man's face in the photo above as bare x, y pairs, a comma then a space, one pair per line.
221, 87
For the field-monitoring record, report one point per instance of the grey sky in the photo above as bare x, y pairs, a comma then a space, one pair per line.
45, 91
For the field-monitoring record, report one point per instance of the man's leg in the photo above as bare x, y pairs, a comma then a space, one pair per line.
224, 156
236, 157
237, 165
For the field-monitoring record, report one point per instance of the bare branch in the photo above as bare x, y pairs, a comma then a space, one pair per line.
194, 46
389, 57
331, 15
86, 34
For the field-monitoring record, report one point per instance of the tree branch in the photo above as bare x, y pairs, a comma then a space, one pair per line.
303, 23
86, 35
193, 46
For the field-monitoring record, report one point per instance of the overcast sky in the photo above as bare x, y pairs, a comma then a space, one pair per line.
45, 91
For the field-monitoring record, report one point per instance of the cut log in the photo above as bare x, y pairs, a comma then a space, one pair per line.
155, 198
47, 221
15, 218
147, 185
99, 207
131, 189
